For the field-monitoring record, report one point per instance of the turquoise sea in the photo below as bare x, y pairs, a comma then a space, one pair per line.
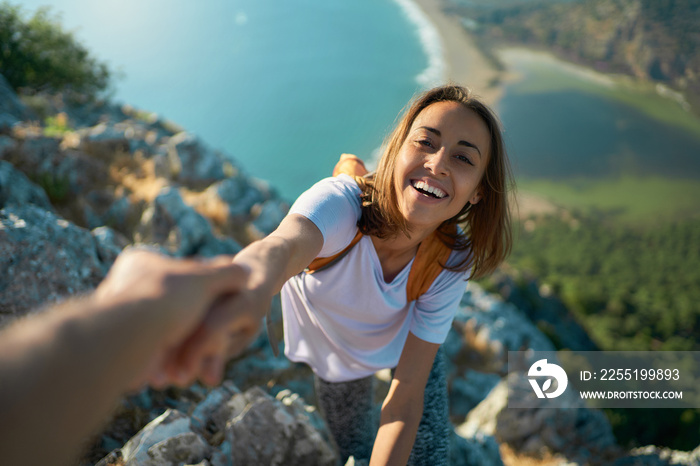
284, 87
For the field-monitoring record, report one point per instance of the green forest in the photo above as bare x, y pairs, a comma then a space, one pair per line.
634, 288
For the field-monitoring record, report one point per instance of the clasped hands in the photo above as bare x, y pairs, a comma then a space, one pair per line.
199, 313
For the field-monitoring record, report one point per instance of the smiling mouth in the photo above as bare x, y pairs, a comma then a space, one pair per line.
427, 190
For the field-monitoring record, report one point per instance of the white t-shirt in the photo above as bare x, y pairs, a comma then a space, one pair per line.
345, 321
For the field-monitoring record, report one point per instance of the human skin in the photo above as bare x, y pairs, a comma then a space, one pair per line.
63, 370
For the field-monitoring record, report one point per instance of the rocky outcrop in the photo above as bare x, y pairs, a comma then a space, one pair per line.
45, 258
232, 427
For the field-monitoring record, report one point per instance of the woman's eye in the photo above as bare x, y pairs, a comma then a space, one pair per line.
425, 142
464, 158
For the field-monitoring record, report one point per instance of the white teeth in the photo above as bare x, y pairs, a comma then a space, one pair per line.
423, 186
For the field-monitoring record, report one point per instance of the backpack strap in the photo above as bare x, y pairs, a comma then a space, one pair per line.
431, 253
427, 265
321, 263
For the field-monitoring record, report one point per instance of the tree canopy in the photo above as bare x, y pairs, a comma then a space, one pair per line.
36, 54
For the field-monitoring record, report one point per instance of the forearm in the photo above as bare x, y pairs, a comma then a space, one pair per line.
396, 435
281, 255
269, 261
61, 374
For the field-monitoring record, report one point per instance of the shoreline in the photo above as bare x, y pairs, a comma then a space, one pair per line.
465, 64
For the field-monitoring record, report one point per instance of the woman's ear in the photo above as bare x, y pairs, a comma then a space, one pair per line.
476, 197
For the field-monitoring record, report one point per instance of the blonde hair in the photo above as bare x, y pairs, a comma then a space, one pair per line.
486, 226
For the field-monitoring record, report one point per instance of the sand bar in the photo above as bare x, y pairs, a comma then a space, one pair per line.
466, 65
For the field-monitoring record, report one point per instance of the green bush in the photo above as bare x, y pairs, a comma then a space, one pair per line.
36, 54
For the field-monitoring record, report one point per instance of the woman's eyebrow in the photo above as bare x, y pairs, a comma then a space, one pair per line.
460, 143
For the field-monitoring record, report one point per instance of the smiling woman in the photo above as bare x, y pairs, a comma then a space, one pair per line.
458, 141
444, 167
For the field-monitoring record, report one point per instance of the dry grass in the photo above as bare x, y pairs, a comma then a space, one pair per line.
511, 458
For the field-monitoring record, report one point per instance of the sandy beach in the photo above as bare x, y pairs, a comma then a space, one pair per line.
466, 65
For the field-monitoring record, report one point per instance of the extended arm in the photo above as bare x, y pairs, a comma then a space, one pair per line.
403, 406
269, 263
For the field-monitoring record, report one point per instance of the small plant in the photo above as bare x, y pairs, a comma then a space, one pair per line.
57, 125
57, 188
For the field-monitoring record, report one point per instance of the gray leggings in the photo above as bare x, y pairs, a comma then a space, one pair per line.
349, 410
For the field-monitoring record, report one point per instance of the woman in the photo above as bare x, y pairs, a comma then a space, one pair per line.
444, 165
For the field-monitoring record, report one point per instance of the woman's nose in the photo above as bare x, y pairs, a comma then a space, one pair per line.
437, 162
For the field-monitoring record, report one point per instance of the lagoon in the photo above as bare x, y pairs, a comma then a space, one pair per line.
564, 121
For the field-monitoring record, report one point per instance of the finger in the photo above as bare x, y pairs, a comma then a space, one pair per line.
212, 369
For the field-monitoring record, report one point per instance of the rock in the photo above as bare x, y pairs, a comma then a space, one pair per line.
187, 448
33, 155
109, 244
655, 456
7, 144
170, 424
545, 310
480, 449
16, 189
269, 217
205, 419
12, 110
171, 223
103, 141
489, 329
468, 390
194, 163
262, 430
572, 430
44, 258
239, 194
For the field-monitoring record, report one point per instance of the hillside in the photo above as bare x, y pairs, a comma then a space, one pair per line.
655, 40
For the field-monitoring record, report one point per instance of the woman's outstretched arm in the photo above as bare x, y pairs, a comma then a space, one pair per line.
269, 263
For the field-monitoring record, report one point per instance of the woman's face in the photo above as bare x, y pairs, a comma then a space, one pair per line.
440, 164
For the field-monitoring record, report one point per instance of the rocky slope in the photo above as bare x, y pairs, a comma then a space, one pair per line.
94, 179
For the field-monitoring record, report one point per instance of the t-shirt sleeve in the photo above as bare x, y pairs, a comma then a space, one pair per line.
435, 310
333, 205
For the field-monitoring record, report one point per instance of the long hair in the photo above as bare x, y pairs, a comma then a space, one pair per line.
485, 226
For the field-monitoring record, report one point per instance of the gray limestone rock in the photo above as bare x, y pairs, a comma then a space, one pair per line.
171, 223
17, 189
262, 430
44, 258
12, 110
170, 424
572, 430
193, 162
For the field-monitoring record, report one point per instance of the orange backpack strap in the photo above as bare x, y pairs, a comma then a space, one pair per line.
321, 263
426, 267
